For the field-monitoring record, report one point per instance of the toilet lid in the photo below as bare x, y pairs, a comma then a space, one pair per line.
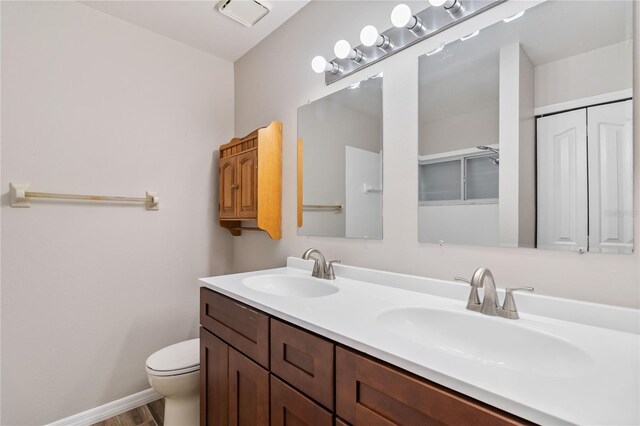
181, 358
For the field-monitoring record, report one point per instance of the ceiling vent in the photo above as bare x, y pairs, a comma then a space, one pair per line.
247, 12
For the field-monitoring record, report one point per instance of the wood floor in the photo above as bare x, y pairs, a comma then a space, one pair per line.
151, 414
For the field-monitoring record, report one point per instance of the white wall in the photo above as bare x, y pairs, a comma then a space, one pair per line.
275, 77
470, 224
92, 104
609, 70
462, 131
526, 154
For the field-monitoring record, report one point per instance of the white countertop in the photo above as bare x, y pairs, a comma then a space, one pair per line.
608, 392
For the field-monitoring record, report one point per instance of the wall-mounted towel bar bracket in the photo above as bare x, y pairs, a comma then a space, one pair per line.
21, 197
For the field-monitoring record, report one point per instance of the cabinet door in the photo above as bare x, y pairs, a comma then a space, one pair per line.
214, 380
248, 391
227, 188
289, 407
370, 393
247, 180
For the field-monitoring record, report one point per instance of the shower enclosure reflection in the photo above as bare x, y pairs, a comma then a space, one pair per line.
526, 132
340, 163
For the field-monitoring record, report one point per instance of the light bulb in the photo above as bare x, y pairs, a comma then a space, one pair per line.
452, 6
468, 36
342, 49
319, 64
401, 16
436, 50
514, 17
369, 36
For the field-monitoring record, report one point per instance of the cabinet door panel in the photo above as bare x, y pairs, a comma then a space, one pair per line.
370, 393
214, 380
289, 407
248, 391
303, 360
227, 188
247, 179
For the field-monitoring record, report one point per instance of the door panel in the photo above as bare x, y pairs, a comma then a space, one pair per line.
291, 408
562, 181
247, 179
227, 201
214, 380
611, 178
248, 392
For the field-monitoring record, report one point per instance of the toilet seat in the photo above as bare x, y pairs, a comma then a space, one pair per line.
174, 360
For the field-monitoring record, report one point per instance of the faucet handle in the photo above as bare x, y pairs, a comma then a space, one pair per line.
509, 309
473, 303
318, 270
330, 275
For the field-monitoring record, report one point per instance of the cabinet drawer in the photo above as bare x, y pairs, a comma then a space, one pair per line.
240, 326
370, 393
289, 407
304, 361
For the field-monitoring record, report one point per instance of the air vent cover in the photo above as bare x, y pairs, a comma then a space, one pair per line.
247, 12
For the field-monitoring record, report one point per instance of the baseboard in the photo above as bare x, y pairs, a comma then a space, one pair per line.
111, 409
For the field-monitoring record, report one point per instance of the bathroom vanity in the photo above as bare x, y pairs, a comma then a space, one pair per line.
280, 347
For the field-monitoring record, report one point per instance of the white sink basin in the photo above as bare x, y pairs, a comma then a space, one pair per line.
290, 286
489, 341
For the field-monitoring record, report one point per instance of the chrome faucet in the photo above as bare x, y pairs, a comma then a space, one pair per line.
321, 269
490, 303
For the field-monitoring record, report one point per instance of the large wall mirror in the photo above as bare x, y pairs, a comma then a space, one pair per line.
526, 132
340, 163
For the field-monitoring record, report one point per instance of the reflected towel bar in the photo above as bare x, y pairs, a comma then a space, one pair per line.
20, 197
336, 208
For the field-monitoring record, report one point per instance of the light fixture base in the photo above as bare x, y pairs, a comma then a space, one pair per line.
434, 20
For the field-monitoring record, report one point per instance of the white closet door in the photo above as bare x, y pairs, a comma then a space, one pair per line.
611, 178
562, 181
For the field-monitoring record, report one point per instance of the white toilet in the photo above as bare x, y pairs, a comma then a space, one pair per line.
174, 372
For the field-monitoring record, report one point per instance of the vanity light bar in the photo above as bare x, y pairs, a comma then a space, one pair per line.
408, 29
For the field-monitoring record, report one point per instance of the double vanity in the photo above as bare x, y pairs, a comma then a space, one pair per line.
280, 346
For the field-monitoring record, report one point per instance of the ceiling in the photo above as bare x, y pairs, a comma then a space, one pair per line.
199, 24
364, 97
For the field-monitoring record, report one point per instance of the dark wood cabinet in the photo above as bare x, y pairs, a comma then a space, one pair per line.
289, 407
214, 380
248, 391
303, 360
257, 370
242, 327
371, 393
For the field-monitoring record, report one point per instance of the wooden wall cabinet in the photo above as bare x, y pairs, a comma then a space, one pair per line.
250, 182
257, 370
